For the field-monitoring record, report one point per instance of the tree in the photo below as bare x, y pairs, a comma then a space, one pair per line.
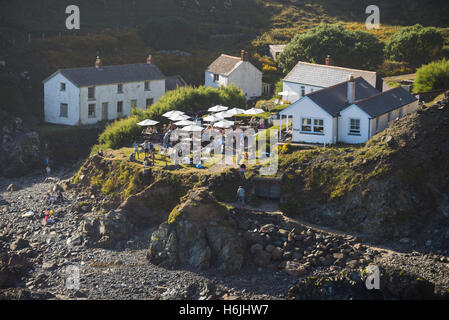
348, 49
415, 45
432, 76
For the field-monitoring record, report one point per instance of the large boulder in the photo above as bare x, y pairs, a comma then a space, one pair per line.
198, 234
20, 150
105, 230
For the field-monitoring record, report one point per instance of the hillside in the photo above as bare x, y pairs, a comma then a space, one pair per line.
393, 187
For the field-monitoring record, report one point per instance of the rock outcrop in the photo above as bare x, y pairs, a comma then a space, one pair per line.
198, 234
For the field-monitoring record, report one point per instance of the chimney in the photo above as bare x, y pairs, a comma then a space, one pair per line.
244, 55
351, 89
329, 61
150, 59
98, 63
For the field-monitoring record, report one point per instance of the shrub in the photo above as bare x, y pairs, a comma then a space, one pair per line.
432, 76
415, 45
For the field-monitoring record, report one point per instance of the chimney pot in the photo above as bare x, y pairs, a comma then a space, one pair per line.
98, 63
244, 55
329, 61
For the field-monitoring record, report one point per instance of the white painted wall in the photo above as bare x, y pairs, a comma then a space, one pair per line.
295, 89
306, 108
209, 80
353, 112
78, 101
53, 97
248, 78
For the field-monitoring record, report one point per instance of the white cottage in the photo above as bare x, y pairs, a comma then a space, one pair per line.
350, 112
239, 71
306, 78
85, 96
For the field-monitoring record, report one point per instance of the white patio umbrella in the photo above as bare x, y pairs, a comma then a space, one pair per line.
218, 108
224, 124
184, 123
172, 113
179, 117
254, 111
223, 114
147, 122
192, 128
234, 111
213, 118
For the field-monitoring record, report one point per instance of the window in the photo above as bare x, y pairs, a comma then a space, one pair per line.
149, 102
91, 93
91, 111
216, 77
147, 85
389, 116
120, 88
64, 110
303, 91
318, 125
133, 103
306, 125
120, 107
62, 88
354, 126
310, 125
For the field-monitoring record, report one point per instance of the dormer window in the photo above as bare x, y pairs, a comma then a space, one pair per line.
216, 77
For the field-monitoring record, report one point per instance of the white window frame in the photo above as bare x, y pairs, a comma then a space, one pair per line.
89, 114
147, 86
66, 113
216, 77
89, 97
120, 88
312, 126
62, 87
354, 132
119, 106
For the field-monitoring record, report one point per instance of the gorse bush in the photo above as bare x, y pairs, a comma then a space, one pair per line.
123, 132
432, 76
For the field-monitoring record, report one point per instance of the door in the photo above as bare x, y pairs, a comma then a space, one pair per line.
104, 111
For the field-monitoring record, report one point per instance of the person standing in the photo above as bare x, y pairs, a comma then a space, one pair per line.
241, 196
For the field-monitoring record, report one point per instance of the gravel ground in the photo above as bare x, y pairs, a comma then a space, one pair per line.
123, 273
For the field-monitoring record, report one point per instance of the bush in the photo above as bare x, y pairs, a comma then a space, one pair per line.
433, 76
415, 45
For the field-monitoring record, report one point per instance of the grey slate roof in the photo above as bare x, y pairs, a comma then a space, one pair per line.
386, 101
334, 99
224, 64
173, 82
83, 77
326, 76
